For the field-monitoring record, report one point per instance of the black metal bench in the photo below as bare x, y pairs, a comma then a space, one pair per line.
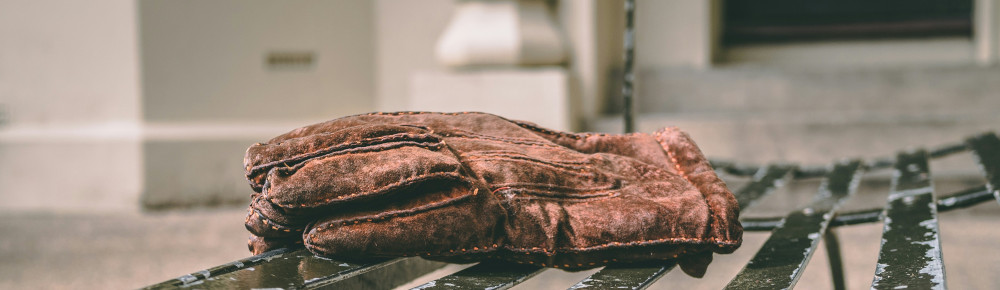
910, 253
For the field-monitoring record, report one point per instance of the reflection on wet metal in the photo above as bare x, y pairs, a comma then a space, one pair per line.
300, 269
765, 180
194, 279
962, 199
626, 276
494, 275
779, 263
911, 249
987, 149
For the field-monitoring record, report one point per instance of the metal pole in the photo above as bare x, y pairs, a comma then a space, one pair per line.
627, 91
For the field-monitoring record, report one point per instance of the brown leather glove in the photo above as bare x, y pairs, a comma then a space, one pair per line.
466, 186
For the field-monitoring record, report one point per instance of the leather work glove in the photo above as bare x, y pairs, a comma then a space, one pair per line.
462, 187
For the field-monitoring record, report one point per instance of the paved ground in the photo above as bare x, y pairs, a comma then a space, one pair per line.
116, 251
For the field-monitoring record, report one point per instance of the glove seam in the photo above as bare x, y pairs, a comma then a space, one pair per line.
682, 241
713, 211
473, 135
538, 144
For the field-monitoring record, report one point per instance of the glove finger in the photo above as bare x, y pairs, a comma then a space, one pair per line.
695, 265
259, 245
333, 180
262, 157
668, 213
264, 219
692, 165
449, 220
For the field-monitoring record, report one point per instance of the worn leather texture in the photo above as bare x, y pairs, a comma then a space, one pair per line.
469, 186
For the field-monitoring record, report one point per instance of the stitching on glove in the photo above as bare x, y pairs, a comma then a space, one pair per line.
553, 187
463, 133
533, 127
577, 170
667, 148
556, 195
272, 224
383, 189
519, 154
504, 141
393, 214
575, 164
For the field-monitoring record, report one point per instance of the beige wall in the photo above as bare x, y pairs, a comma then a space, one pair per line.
68, 62
677, 33
69, 87
94, 127
594, 31
205, 60
405, 35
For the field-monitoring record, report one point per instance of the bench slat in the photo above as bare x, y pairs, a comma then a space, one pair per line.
199, 277
987, 148
780, 261
626, 276
764, 182
911, 249
485, 275
286, 268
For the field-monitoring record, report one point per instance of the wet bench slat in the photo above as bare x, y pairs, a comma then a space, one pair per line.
987, 148
300, 269
910, 256
780, 261
485, 275
765, 181
626, 276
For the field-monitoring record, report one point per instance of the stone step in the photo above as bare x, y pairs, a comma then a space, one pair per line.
936, 90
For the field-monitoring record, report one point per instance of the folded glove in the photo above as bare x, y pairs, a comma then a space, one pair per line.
469, 186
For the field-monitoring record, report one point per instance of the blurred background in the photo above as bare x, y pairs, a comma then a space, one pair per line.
123, 123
